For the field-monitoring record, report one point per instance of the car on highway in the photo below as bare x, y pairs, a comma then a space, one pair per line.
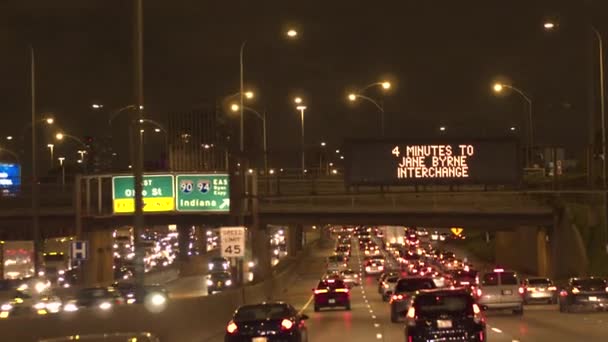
218, 282
373, 266
538, 289
106, 337
101, 297
372, 249
218, 264
500, 289
388, 287
444, 315
331, 293
404, 290
343, 250
385, 275
154, 294
336, 263
266, 322
26, 304
435, 236
350, 277
443, 236
588, 292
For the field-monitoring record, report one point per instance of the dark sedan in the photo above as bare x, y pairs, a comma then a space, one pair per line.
267, 322
331, 293
218, 281
401, 299
584, 292
445, 315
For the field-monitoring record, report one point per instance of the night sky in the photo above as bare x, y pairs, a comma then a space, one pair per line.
441, 56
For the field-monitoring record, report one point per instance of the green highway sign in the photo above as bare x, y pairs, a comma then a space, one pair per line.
203, 192
158, 193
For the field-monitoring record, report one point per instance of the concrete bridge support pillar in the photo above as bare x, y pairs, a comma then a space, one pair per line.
97, 268
294, 239
568, 252
183, 242
524, 249
261, 251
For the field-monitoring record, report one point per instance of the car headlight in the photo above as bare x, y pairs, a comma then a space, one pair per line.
40, 287
210, 266
105, 306
53, 307
228, 282
251, 264
23, 287
131, 300
70, 307
6, 307
39, 306
209, 282
60, 279
158, 299
61, 272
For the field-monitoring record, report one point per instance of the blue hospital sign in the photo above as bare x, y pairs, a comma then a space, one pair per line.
10, 177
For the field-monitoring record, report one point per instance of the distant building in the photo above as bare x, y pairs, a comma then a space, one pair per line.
197, 140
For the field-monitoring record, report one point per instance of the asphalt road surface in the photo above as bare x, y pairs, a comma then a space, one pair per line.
185, 319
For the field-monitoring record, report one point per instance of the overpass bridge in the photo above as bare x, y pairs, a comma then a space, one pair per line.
86, 208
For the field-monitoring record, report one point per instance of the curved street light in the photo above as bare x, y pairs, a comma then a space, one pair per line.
498, 88
235, 107
60, 136
385, 85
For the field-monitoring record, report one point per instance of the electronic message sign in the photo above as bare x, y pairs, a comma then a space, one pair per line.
438, 162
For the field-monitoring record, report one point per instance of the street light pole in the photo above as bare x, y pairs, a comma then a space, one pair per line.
35, 188
498, 88
241, 94
602, 101
138, 219
380, 108
51, 149
301, 109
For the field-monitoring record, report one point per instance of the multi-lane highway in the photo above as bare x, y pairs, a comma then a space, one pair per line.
199, 319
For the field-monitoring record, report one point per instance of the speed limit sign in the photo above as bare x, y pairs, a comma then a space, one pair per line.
232, 242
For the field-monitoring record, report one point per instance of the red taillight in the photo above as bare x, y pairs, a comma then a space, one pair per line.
231, 328
397, 297
563, 293
521, 290
479, 293
286, 324
477, 317
481, 336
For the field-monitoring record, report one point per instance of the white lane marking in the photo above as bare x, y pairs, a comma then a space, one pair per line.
312, 297
373, 316
515, 341
371, 311
497, 330
376, 325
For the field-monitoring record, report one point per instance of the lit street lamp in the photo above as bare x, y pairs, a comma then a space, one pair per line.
51, 150
385, 85
234, 107
499, 87
302, 108
61, 163
61, 136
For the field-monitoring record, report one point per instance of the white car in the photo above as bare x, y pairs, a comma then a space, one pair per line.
388, 287
435, 236
350, 278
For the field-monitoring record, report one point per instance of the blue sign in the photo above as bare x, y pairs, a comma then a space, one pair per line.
10, 175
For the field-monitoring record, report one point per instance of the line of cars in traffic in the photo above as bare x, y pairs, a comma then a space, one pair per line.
441, 297
38, 301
